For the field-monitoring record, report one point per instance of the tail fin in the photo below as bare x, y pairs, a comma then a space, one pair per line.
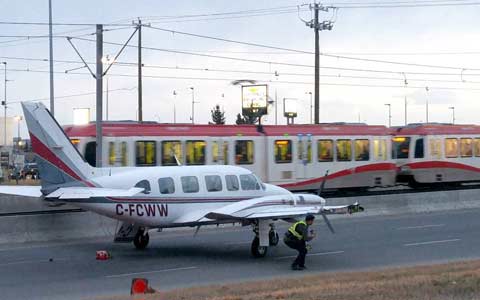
59, 162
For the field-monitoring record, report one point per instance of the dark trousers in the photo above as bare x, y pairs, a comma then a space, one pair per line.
301, 247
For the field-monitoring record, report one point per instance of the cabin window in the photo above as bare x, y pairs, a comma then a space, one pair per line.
146, 153
435, 148
123, 150
145, 184
466, 149
344, 150
451, 148
325, 150
244, 152
232, 182
220, 156
249, 182
196, 152
166, 185
111, 153
170, 150
213, 183
190, 184
90, 153
476, 146
362, 150
283, 151
419, 148
400, 147
380, 149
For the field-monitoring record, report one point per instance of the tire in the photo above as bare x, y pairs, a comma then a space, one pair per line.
257, 250
141, 240
273, 238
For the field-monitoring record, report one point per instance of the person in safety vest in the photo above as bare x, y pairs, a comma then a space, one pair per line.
296, 238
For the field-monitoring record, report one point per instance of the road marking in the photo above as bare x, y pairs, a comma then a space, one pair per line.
421, 226
312, 254
151, 272
431, 242
19, 262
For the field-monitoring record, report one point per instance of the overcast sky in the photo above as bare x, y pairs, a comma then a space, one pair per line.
442, 36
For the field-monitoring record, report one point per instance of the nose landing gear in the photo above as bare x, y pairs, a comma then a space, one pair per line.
265, 235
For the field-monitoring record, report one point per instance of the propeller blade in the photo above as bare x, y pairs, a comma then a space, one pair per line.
322, 186
329, 225
196, 231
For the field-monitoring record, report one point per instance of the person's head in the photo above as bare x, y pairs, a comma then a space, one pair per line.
309, 219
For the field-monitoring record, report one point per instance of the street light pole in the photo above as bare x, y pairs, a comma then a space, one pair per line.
453, 114
311, 106
193, 105
5, 107
174, 107
426, 88
389, 114
50, 44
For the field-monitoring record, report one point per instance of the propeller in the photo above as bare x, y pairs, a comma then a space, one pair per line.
329, 225
322, 186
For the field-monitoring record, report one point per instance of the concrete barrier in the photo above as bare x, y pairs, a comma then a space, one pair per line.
67, 226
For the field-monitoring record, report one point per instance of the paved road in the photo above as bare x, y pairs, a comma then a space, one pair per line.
176, 259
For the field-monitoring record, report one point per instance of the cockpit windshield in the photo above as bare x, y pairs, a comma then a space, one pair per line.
249, 182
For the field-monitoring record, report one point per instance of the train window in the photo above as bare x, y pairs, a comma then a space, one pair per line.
325, 150
145, 185
196, 152
283, 151
380, 149
90, 155
466, 147
249, 182
476, 146
166, 185
344, 150
436, 148
451, 148
146, 153
111, 153
400, 147
244, 152
218, 156
189, 184
123, 150
171, 151
232, 182
419, 148
362, 150
213, 183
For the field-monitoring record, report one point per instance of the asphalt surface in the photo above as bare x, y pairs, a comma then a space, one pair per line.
177, 259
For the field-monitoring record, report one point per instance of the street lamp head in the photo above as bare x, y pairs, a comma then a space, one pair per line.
387, 104
4, 62
451, 107
191, 88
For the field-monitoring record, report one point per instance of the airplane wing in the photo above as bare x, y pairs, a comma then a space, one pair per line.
21, 190
90, 192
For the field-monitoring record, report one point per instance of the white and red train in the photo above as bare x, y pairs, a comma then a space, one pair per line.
297, 156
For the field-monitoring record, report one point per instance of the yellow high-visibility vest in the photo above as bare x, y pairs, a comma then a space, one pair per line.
293, 230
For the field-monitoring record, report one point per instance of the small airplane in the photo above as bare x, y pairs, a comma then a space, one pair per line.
145, 198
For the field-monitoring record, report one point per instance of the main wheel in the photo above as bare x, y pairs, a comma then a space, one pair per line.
273, 238
141, 240
257, 250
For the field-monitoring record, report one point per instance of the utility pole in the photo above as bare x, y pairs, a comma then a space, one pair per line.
389, 114
140, 108
99, 86
50, 41
317, 26
5, 107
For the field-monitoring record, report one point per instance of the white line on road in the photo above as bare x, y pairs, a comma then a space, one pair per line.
431, 242
151, 272
312, 254
421, 226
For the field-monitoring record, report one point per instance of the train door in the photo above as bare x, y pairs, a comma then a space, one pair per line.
303, 156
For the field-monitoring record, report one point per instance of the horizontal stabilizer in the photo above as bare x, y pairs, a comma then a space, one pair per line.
21, 190
91, 192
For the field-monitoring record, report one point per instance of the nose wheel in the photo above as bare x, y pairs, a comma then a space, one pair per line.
259, 249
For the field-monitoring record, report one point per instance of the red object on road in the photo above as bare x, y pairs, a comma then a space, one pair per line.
103, 255
139, 286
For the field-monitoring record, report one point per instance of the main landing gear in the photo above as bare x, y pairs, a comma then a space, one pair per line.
141, 239
265, 235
